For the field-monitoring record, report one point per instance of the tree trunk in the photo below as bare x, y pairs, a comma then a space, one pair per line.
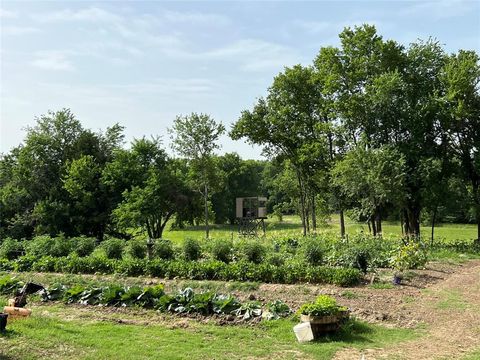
401, 222
374, 228
342, 224
378, 222
302, 203
314, 215
434, 217
207, 230
413, 219
405, 222
307, 214
476, 202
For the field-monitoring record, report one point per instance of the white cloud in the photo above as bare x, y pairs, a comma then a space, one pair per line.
257, 55
312, 27
53, 60
439, 9
19, 30
91, 14
196, 18
7, 14
250, 54
170, 87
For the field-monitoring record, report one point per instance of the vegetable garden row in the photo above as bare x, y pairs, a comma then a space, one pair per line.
319, 259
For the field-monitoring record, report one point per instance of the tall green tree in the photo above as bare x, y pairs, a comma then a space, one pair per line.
32, 195
195, 137
288, 124
372, 178
241, 178
155, 193
461, 78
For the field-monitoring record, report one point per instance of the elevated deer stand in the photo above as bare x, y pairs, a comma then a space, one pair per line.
251, 213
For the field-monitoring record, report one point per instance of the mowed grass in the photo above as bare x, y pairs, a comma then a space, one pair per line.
49, 335
291, 226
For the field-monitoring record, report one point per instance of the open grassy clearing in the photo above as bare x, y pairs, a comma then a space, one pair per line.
291, 225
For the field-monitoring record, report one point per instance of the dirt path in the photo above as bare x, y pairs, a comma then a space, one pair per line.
450, 310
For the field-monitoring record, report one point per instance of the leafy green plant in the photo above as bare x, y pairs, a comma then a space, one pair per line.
113, 248
411, 255
324, 305
136, 249
10, 249
130, 295
8, 285
92, 296
253, 251
313, 252
224, 304
191, 249
73, 294
276, 310
53, 293
112, 295
249, 310
163, 249
150, 295
84, 246
222, 250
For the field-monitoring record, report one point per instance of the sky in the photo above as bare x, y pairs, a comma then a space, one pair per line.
142, 63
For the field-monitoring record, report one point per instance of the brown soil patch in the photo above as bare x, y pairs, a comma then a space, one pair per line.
451, 311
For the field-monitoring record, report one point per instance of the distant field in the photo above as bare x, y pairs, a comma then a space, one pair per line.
291, 225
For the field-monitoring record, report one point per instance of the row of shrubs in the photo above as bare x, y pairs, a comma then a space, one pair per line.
288, 273
137, 249
186, 301
360, 252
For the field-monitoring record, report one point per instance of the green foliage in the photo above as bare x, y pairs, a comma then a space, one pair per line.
136, 249
8, 285
73, 294
113, 248
191, 249
249, 310
324, 305
313, 252
253, 251
10, 249
411, 255
163, 249
45, 245
84, 246
224, 304
222, 250
195, 137
185, 301
275, 310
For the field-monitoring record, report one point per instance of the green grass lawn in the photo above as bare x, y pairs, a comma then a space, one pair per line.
291, 225
52, 333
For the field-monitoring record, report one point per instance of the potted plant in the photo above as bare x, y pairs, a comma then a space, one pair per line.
324, 315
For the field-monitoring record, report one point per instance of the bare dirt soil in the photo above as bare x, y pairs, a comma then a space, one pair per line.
448, 308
